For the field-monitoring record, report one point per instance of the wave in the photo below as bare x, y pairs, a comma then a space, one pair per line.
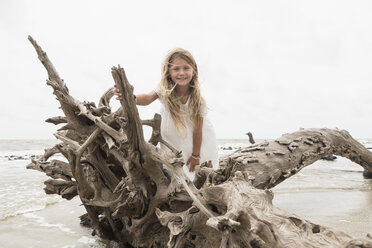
42, 222
9, 214
314, 189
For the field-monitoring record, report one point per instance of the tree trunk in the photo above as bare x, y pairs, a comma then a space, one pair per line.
130, 190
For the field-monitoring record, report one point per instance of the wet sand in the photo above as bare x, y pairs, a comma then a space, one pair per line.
348, 211
332, 194
58, 225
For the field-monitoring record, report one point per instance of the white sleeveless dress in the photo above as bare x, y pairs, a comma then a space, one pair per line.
184, 142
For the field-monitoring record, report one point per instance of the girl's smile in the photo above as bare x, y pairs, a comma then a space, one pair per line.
181, 72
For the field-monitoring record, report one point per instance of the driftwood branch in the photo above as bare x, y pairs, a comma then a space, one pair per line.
267, 164
56, 120
250, 136
130, 188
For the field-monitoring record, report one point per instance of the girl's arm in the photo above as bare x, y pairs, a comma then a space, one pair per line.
194, 160
146, 99
141, 99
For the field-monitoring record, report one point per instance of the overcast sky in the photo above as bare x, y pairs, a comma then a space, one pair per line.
268, 67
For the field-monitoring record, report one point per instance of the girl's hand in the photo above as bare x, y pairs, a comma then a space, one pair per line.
192, 163
117, 92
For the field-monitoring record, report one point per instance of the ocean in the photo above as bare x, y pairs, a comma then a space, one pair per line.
330, 193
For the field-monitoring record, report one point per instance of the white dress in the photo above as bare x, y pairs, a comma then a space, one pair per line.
184, 142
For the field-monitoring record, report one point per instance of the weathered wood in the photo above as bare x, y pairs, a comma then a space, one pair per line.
367, 173
67, 189
266, 164
56, 120
130, 188
250, 136
36, 164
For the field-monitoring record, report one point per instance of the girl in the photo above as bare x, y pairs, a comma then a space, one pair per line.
184, 123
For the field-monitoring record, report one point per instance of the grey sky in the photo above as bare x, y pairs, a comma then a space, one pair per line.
269, 67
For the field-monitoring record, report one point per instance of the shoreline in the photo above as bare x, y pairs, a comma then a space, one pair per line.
328, 193
347, 211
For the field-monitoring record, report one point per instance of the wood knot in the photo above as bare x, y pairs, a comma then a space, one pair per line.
316, 229
293, 146
194, 210
284, 141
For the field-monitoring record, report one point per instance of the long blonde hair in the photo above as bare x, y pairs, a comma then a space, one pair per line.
167, 90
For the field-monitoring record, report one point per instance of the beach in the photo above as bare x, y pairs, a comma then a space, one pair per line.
329, 193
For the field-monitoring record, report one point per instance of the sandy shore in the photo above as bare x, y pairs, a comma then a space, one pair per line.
332, 194
348, 211
58, 225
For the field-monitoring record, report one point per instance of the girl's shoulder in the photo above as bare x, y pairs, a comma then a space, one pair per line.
204, 110
160, 93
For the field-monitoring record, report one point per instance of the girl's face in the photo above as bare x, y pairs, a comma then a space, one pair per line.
181, 72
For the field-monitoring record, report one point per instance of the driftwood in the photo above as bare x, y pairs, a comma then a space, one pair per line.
130, 188
250, 137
